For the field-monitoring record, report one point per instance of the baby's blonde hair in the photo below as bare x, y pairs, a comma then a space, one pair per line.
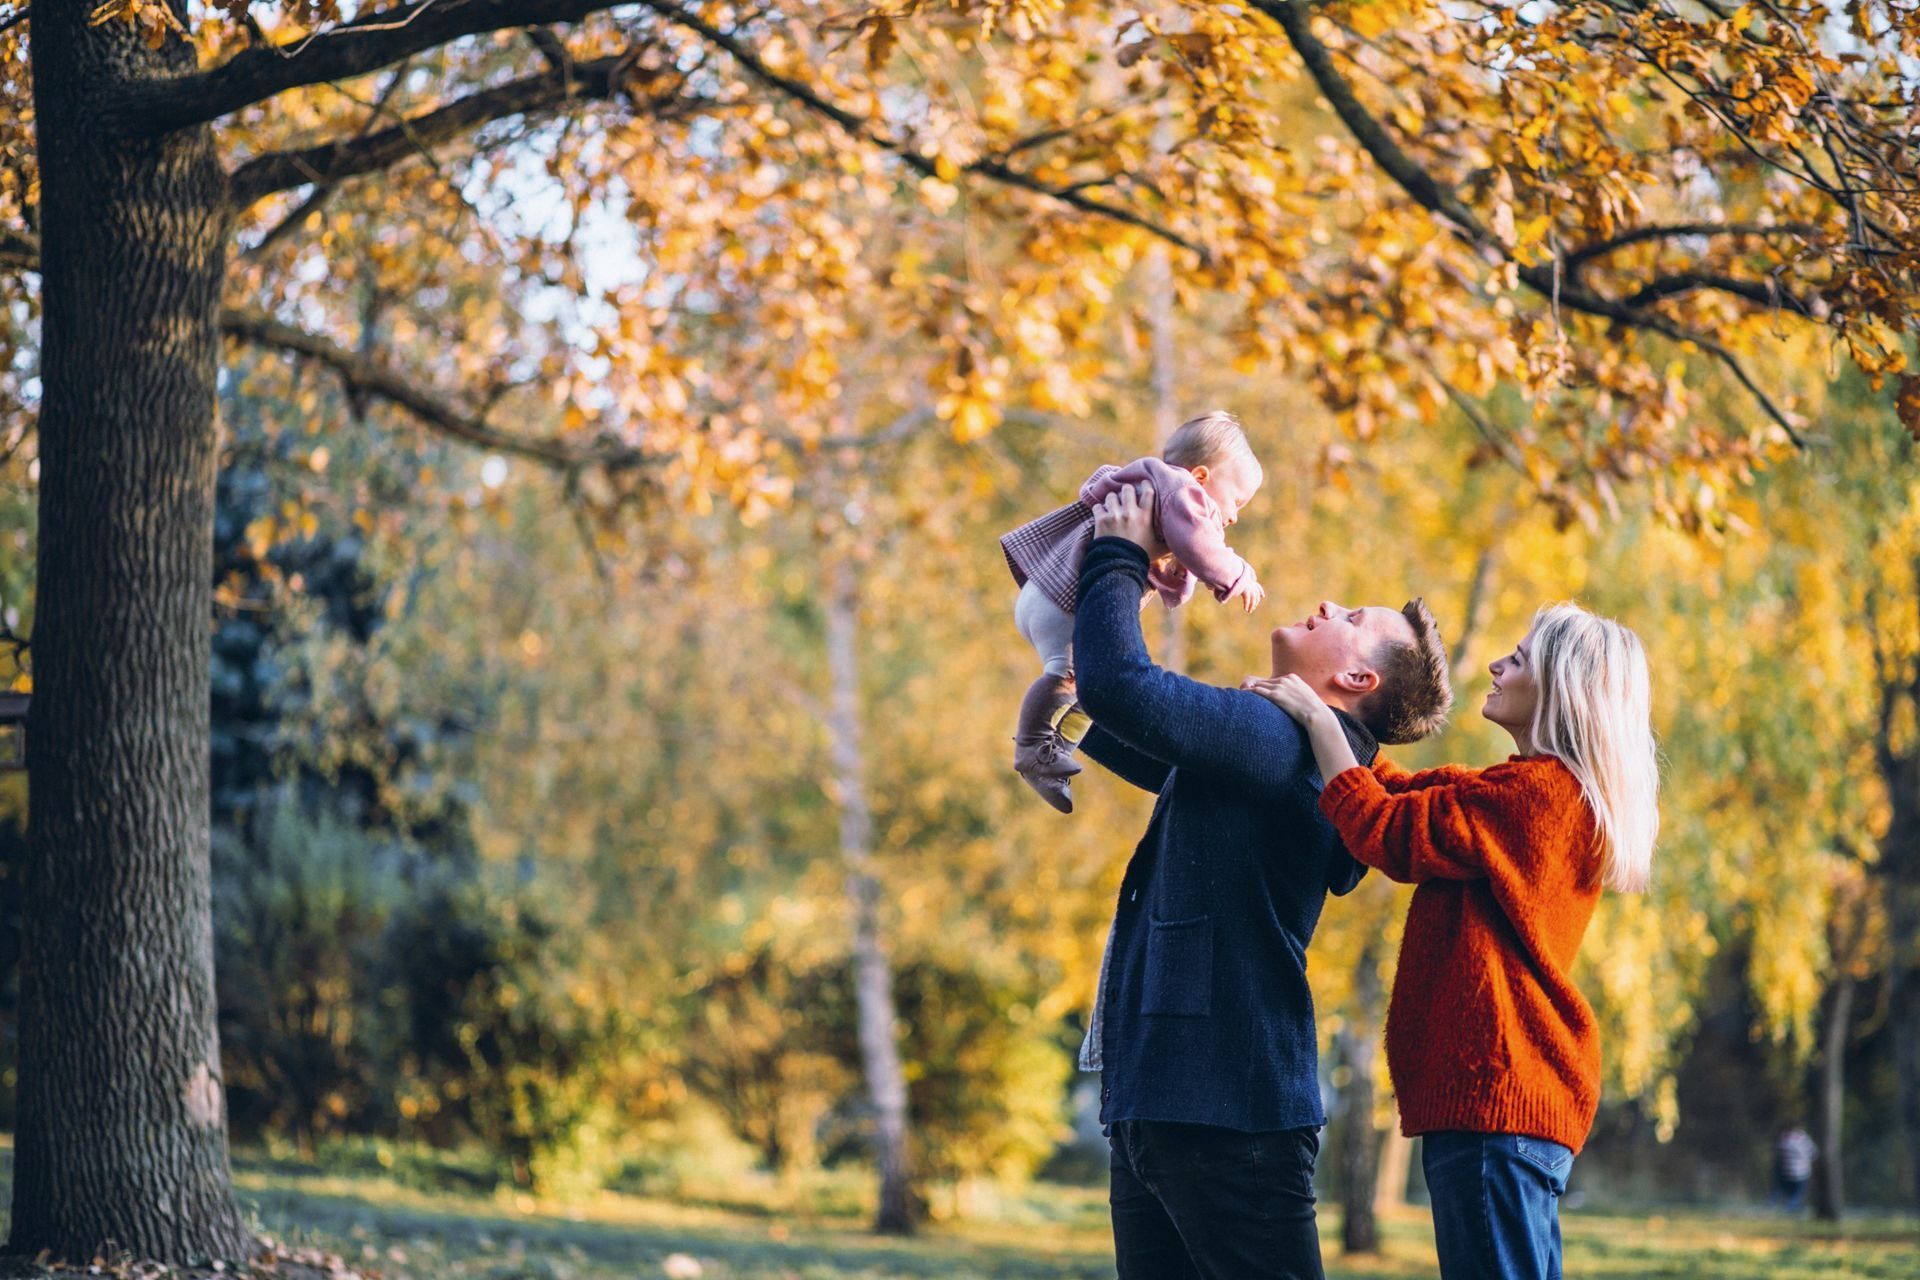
1207, 441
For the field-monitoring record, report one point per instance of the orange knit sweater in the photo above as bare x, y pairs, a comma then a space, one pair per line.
1485, 1032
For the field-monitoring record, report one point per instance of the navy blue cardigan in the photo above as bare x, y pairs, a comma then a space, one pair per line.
1207, 1016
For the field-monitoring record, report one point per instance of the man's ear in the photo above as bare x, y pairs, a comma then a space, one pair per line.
1359, 681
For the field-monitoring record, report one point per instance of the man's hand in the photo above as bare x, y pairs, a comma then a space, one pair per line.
1249, 594
1127, 514
1292, 695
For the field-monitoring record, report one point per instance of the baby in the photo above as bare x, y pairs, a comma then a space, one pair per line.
1201, 480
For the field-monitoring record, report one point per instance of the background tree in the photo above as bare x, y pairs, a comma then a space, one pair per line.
1491, 226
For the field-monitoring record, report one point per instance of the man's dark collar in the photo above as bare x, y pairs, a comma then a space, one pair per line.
1362, 742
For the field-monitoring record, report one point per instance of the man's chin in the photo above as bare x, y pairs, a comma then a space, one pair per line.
1282, 651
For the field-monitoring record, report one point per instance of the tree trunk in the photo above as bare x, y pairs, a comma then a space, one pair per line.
1396, 1161
1165, 374
872, 975
1903, 930
1899, 875
1829, 1105
121, 1144
1359, 1146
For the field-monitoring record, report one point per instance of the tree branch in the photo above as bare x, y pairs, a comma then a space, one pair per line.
864, 130
366, 43
329, 163
363, 374
1578, 258
19, 250
1764, 292
1549, 279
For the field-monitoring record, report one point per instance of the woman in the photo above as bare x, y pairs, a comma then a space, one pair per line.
1493, 1052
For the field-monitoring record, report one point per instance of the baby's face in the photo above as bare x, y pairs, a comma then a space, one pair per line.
1232, 484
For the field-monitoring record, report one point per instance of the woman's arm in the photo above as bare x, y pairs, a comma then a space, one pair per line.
1421, 834
1435, 833
1331, 750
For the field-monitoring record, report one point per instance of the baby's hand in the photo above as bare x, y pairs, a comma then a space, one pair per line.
1289, 693
1250, 594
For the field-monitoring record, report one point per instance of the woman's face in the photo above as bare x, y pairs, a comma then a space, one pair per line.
1516, 689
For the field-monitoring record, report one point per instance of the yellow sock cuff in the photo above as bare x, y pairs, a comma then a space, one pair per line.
1073, 723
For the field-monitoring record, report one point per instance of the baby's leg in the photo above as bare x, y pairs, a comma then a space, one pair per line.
1047, 627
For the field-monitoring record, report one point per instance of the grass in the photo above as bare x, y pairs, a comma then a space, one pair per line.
420, 1217
1048, 1232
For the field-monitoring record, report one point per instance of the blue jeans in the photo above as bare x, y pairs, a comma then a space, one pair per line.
1496, 1204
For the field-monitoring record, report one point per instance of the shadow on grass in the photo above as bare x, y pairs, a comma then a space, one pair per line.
487, 1242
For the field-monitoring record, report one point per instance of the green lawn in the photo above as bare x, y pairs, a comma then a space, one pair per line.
392, 1228
1049, 1233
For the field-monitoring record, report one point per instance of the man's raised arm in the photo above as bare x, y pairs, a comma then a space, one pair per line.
1170, 718
1124, 760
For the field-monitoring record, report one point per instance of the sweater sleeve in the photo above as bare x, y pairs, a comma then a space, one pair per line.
1226, 733
1397, 780
1125, 762
1449, 830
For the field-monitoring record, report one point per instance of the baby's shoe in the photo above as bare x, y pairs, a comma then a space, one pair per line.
1040, 754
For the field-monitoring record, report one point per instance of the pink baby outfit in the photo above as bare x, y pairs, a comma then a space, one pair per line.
1047, 551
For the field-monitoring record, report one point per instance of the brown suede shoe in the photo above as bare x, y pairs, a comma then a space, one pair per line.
1038, 748
1040, 755
1057, 792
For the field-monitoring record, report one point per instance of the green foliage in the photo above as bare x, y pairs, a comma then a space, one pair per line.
777, 1050
302, 910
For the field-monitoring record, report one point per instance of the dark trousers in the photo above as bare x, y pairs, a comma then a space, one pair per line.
1194, 1202
1790, 1192
1496, 1204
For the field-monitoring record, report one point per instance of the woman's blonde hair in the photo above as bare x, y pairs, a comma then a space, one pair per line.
1595, 714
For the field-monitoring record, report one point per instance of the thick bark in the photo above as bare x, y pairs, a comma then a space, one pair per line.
872, 974
1359, 1144
1829, 1197
121, 1141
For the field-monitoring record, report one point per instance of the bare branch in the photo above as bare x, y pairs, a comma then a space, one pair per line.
15, 18
365, 375
370, 41
329, 163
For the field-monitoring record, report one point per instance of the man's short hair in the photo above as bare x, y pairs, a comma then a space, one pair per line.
1415, 691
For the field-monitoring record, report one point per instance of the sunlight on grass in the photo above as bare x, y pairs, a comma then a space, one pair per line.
1042, 1233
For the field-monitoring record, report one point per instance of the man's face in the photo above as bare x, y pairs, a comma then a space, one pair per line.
1333, 648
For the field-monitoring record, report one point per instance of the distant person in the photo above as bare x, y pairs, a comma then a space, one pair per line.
1793, 1154
1202, 479
1494, 1053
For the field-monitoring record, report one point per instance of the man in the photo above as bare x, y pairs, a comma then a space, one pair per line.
1793, 1155
1203, 1029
